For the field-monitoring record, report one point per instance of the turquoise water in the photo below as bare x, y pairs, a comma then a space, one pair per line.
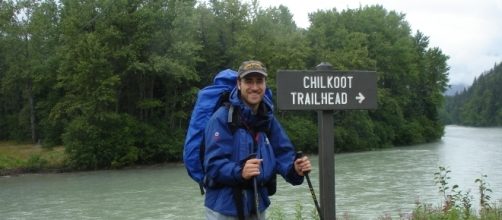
368, 184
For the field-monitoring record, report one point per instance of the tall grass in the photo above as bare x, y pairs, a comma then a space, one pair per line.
277, 213
457, 204
16, 158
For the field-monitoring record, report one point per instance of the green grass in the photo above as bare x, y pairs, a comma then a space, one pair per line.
16, 157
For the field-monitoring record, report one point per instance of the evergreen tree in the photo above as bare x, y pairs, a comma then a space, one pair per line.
115, 81
478, 105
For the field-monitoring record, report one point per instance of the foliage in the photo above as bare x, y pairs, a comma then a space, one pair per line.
277, 213
479, 105
116, 140
411, 76
115, 81
484, 191
355, 132
35, 162
96, 142
457, 205
301, 131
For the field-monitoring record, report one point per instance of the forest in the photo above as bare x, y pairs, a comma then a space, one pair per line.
480, 104
114, 82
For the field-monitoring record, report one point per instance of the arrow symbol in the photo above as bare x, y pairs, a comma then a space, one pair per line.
360, 98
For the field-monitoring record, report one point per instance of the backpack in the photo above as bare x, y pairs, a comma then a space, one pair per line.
209, 99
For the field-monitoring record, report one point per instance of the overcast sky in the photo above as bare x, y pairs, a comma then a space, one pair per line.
468, 31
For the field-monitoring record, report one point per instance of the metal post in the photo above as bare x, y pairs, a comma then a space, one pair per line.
326, 158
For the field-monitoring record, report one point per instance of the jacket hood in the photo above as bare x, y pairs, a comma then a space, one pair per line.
261, 120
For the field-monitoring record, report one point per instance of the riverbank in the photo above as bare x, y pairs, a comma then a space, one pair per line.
17, 158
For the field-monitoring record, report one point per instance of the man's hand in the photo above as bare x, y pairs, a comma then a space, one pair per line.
302, 165
251, 168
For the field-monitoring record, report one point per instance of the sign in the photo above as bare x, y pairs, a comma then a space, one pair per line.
326, 90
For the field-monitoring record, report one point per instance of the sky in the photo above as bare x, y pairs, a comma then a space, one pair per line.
468, 31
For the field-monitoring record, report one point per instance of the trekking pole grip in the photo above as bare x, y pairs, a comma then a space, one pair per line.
299, 154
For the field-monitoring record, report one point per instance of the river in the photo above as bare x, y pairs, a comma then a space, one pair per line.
367, 185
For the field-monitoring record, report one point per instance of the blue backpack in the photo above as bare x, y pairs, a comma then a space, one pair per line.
209, 99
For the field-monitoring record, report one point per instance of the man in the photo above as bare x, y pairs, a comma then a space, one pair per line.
241, 161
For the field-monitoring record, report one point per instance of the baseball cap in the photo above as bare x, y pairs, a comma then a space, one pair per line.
252, 66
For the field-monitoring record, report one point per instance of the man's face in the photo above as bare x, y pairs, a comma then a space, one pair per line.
252, 89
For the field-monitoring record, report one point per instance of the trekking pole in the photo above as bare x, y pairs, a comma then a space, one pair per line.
299, 154
201, 186
256, 198
255, 189
255, 186
254, 149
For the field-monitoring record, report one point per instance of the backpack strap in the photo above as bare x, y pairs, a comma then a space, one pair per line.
233, 119
233, 124
230, 117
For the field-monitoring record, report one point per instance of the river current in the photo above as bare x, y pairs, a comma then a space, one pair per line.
367, 184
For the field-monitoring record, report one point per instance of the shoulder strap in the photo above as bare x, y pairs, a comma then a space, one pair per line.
234, 123
233, 119
230, 118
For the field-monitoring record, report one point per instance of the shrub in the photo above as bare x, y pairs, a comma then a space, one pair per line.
36, 163
101, 141
457, 205
302, 131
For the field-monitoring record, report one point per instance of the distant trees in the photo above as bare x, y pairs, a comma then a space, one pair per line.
480, 104
115, 81
412, 77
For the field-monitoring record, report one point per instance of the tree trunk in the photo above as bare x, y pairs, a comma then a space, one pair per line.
32, 114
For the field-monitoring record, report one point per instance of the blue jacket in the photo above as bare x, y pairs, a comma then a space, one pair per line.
226, 153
